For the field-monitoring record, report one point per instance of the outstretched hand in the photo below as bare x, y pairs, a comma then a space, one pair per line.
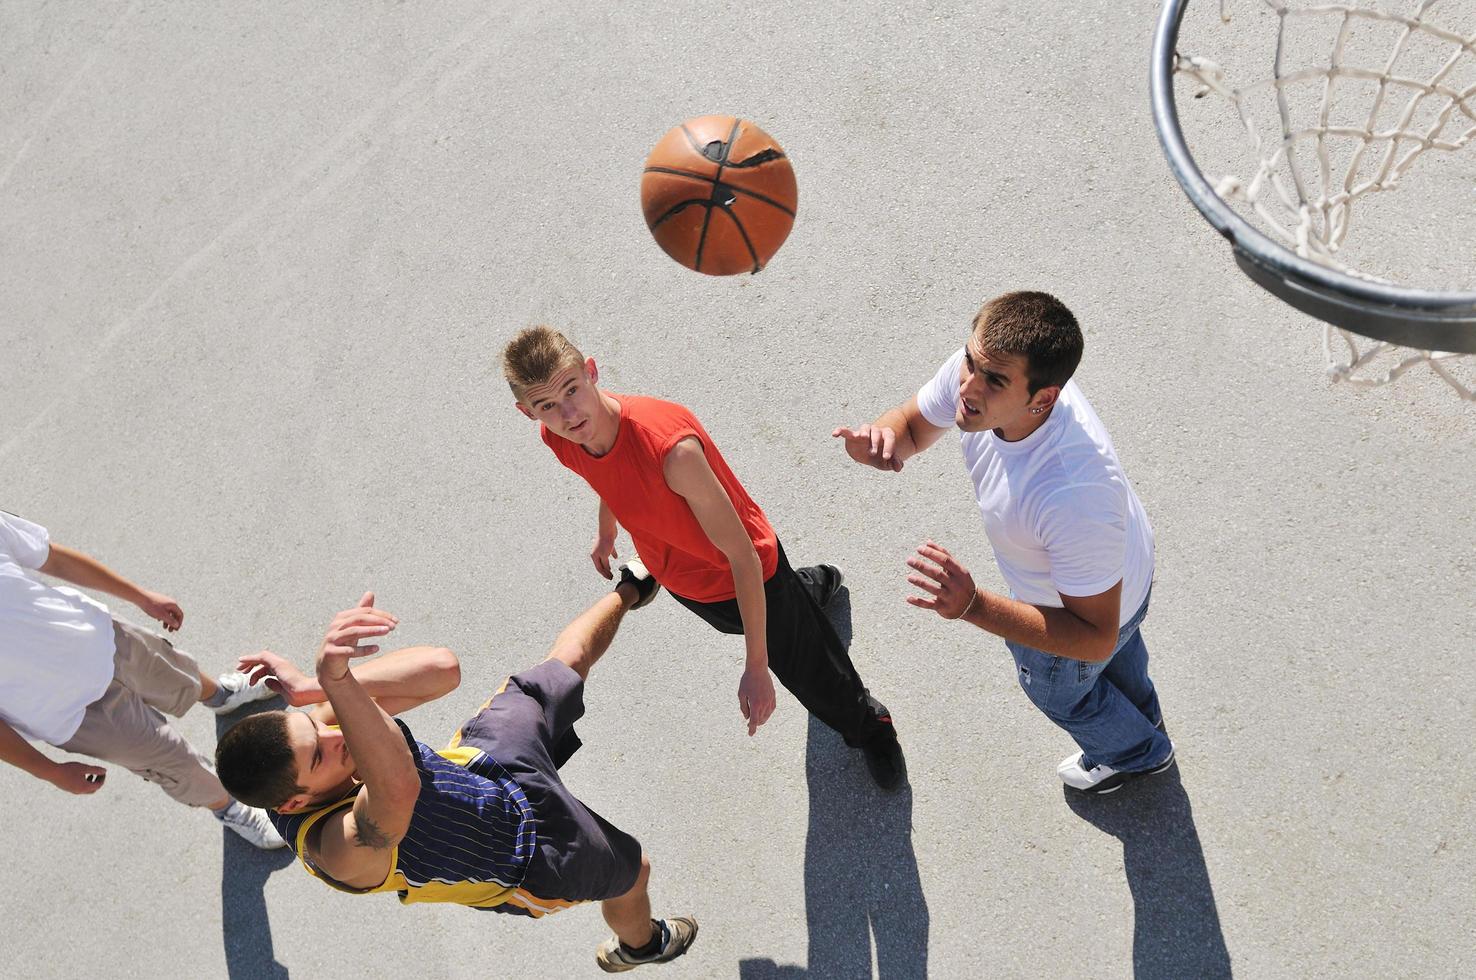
281, 676
950, 586
871, 445
348, 628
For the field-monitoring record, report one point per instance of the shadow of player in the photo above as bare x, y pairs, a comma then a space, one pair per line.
861, 882
1176, 927
246, 930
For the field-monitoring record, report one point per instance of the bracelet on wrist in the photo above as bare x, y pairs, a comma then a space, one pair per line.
972, 599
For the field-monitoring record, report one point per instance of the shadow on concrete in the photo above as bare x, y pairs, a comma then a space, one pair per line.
1176, 927
861, 883
246, 930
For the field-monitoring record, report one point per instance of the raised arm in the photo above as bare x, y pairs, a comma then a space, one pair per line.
358, 848
896, 436
73, 566
689, 475
398, 681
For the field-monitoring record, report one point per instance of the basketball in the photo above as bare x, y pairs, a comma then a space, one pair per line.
719, 195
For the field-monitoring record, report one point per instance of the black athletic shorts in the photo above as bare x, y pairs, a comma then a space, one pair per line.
528, 727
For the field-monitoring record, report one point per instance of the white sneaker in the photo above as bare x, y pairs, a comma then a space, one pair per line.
1102, 779
251, 823
239, 690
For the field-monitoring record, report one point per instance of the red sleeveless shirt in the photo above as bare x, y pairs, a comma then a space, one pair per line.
631, 482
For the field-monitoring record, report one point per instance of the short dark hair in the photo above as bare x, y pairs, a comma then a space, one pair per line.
254, 761
1036, 326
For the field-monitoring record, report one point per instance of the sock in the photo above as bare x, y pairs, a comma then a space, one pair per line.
658, 935
219, 697
231, 809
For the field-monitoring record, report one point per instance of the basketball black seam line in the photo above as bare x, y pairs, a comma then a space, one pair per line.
707, 218
702, 239
747, 193
679, 206
757, 265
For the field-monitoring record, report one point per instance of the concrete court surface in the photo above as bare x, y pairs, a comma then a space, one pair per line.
258, 261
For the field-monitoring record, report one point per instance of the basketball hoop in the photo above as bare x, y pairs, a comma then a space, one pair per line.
1376, 329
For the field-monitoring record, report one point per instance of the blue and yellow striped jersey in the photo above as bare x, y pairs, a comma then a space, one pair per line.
470, 838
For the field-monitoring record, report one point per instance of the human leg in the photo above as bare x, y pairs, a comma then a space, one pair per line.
1128, 672
1074, 694
809, 659
170, 680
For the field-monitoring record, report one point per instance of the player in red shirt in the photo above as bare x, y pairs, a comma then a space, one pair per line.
660, 476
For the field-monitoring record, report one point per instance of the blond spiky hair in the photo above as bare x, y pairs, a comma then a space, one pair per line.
536, 355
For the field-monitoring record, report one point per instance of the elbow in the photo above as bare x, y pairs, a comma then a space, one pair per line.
447, 668
1103, 649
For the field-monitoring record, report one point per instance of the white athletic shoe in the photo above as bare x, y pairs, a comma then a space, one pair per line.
239, 690
251, 823
1102, 779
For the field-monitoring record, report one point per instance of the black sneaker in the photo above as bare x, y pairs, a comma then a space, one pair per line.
634, 573
885, 762
822, 582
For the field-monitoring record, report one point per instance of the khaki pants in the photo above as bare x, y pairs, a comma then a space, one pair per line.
125, 726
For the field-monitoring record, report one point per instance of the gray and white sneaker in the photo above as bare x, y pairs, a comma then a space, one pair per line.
634, 573
251, 823
1102, 779
677, 935
236, 689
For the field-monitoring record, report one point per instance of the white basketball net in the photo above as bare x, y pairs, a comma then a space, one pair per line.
1306, 200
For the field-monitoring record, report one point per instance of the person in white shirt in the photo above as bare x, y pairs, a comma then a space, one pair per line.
1069, 535
73, 676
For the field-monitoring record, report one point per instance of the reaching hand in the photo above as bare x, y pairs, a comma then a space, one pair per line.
949, 583
78, 778
158, 606
602, 552
281, 676
756, 696
871, 445
349, 627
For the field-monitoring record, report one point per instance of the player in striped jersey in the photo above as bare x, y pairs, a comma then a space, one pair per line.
485, 822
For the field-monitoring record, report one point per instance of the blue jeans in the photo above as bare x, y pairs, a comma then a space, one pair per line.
1109, 708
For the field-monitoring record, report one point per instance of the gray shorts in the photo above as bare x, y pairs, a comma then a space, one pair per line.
127, 727
526, 726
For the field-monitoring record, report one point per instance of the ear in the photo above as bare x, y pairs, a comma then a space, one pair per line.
524, 409
294, 804
591, 370
1045, 397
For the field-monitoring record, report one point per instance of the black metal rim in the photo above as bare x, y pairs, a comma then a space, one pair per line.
1435, 312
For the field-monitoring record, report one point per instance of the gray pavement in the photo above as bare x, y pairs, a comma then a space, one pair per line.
258, 262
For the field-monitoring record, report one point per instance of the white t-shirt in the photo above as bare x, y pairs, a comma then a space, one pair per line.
1058, 509
56, 645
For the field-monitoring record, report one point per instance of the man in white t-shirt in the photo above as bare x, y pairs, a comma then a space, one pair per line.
74, 677
1068, 533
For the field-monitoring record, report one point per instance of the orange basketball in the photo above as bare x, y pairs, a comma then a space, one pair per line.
719, 195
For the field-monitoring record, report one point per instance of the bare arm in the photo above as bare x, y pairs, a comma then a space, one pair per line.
896, 436
604, 545
73, 566
1085, 628
398, 681
358, 849
688, 474
70, 776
